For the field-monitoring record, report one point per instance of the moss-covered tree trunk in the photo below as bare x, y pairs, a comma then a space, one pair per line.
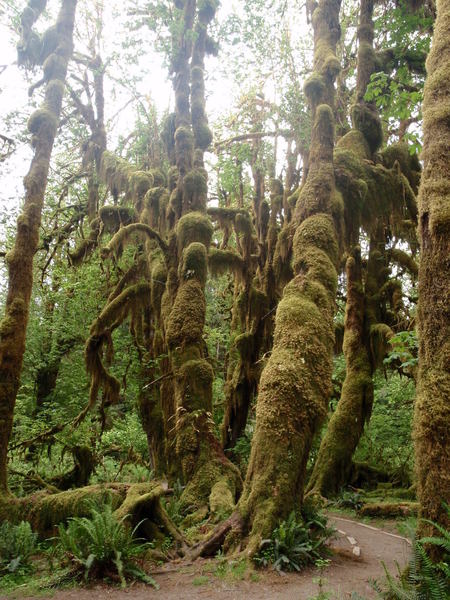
42, 125
432, 409
334, 461
296, 381
210, 477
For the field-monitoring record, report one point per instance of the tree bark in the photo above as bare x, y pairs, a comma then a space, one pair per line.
296, 382
432, 408
43, 126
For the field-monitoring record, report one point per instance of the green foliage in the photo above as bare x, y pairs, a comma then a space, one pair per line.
349, 499
386, 442
404, 350
423, 579
295, 543
17, 544
100, 545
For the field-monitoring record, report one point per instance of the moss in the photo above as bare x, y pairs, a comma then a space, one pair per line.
317, 231
194, 227
184, 140
223, 261
195, 182
380, 334
55, 67
49, 510
159, 178
54, 94
409, 163
195, 379
139, 183
173, 177
243, 223
194, 263
245, 344
389, 509
292, 199
221, 501
187, 317
314, 87
354, 141
203, 135
366, 121
114, 217
42, 119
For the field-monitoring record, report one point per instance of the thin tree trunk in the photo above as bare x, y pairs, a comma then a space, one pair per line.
42, 125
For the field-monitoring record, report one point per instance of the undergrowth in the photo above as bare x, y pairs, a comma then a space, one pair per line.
295, 543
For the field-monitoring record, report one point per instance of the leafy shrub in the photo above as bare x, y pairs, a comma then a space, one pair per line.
349, 499
17, 544
101, 546
295, 543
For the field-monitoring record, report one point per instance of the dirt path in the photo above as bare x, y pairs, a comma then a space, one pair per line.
359, 550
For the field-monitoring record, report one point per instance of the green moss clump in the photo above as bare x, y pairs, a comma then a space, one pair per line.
194, 263
54, 93
55, 67
194, 227
221, 501
243, 223
314, 87
203, 135
366, 121
114, 217
42, 119
195, 182
187, 317
354, 141
195, 379
184, 140
317, 231
140, 183
159, 178
409, 163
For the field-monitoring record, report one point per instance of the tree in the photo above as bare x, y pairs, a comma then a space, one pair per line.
43, 125
432, 410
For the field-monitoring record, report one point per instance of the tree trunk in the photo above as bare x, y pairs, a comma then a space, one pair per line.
296, 382
432, 408
334, 461
42, 125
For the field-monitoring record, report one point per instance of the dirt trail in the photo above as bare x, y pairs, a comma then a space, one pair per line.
359, 551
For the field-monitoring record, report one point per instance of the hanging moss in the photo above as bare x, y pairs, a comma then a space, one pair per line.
113, 217
409, 163
224, 261
368, 123
159, 177
380, 334
194, 227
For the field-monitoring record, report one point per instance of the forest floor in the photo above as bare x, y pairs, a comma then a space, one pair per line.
358, 551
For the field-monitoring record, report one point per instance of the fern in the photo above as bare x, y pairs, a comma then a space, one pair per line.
425, 579
100, 544
17, 544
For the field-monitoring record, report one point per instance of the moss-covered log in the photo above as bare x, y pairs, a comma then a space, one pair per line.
140, 502
42, 125
432, 408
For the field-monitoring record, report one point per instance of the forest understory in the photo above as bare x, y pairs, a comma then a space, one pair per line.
225, 328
